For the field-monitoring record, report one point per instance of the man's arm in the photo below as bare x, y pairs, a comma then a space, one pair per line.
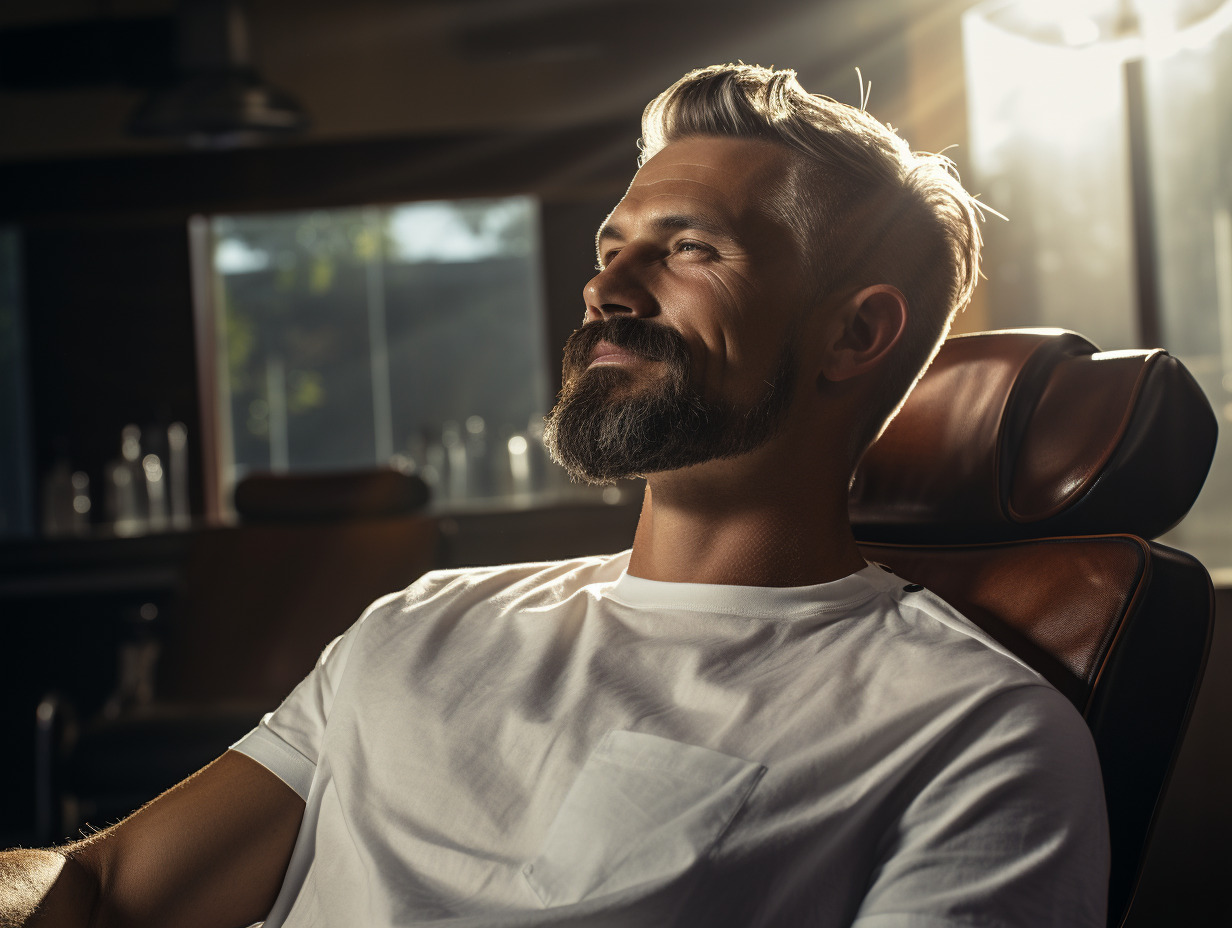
1009, 830
211, 851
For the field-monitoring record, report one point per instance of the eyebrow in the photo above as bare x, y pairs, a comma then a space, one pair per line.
669, 223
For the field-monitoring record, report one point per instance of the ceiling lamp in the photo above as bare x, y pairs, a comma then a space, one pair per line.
219, 98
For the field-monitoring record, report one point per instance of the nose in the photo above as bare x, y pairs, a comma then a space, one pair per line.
620, 289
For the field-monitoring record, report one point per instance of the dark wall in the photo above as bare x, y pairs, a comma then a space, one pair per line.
110, 338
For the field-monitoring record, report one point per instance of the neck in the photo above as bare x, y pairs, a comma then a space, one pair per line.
723, 522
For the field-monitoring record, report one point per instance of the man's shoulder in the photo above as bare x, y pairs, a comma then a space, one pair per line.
509, 582
956, 640
944, 665
588, 569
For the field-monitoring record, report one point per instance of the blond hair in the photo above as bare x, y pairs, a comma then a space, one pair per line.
865, 207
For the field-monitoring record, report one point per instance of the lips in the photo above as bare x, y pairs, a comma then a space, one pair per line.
622, 342
606, 353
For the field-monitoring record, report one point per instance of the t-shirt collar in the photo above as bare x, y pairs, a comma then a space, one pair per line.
835, 595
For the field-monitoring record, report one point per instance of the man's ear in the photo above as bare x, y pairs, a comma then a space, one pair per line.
866, 327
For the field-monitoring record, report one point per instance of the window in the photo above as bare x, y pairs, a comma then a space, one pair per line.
1188, 96
411, 334
1051, 93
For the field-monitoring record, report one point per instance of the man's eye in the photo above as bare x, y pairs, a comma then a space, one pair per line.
692, 247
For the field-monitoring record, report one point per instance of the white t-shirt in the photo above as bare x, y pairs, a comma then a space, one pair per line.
564, 744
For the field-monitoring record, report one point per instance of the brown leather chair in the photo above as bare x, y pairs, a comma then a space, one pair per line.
261, 599
258, 601
1023, 482
321, 497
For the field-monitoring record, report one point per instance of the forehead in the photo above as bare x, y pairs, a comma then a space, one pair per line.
736, 177
732, 161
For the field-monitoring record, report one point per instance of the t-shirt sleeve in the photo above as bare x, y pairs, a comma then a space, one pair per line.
287, 741
1008, 828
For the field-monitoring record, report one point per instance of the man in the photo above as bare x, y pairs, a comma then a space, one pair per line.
739, 722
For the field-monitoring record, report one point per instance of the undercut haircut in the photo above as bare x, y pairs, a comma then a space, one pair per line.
865, 208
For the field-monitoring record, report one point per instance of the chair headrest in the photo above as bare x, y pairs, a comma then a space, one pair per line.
358, 494
1029, 433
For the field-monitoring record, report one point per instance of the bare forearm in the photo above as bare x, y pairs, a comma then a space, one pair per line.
44, 889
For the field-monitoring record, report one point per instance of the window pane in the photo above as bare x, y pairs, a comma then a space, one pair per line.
1189, 99
295, 305
1054, 161
1048, 112
465, 328
356, 335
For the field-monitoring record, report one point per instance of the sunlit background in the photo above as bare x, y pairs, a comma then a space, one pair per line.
1102, 130
307, 236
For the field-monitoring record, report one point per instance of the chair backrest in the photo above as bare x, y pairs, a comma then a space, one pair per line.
261, 599
1023, 482
356, 494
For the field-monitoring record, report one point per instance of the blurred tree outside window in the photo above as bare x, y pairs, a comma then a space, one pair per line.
411, 334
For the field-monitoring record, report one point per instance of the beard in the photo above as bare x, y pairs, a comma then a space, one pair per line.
606, 426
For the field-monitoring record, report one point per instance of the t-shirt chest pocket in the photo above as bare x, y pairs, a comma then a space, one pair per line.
642, 810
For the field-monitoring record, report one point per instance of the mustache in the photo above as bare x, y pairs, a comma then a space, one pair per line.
648, 340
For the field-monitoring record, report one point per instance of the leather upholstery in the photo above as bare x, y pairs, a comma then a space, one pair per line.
1024, 433
1022, 482
1063, 623
259, 602
264, 497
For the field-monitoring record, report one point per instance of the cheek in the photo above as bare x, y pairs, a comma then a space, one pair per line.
743, 321
729, 294
725, 307
724, 324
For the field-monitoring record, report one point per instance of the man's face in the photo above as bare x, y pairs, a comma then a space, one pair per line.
686, 353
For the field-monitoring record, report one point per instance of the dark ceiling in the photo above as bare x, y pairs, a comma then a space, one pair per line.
71, 71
